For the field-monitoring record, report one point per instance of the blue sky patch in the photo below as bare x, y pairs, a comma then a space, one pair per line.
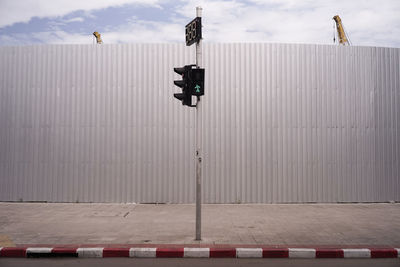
123, 21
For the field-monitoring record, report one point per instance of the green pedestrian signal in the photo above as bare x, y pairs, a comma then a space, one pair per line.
197, 81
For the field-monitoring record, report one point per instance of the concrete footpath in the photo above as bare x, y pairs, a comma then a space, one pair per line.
229, 231
246, 225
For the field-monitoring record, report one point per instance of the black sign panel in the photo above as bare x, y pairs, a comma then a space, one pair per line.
193, 31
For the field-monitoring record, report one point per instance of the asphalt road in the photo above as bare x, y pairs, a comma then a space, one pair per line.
119, 262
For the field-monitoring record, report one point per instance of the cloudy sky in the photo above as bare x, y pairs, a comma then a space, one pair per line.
367, 22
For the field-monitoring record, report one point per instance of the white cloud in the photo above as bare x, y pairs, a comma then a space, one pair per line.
76, 19
12, 11
53, 37
136, 31
145, 32
368, 22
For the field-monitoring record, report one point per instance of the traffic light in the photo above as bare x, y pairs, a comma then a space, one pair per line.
192, 83
185, 96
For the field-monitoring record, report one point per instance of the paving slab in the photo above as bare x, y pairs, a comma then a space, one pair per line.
291, 225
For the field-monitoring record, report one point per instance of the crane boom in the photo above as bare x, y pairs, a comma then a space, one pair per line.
98, 38
343, 40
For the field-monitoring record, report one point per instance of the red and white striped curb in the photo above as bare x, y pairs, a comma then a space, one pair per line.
141, 252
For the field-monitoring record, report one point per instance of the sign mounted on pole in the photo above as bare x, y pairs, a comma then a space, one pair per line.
193, 31
192, 83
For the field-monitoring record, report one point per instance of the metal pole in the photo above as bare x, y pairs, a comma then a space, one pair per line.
198, 141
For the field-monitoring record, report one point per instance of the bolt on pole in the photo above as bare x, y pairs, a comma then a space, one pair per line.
198, 140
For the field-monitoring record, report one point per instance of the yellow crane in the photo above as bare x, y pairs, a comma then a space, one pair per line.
343, 39
98, 38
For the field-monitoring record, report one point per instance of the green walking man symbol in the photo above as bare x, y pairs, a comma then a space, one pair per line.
197, 88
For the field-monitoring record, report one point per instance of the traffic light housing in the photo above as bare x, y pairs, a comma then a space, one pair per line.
185, 96
192, 83
196, 81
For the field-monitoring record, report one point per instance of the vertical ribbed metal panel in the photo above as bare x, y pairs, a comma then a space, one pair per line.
282, 123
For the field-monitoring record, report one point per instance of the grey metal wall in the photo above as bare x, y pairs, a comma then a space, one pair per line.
282, 123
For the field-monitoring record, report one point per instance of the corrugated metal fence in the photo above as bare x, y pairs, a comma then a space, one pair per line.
282, 123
